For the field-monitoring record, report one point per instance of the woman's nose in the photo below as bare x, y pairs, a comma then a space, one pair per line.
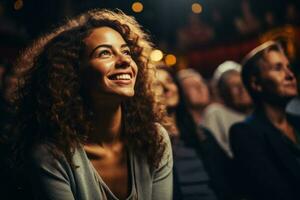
123, 61
289, 74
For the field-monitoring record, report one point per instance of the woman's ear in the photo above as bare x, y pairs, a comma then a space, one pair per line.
255, 84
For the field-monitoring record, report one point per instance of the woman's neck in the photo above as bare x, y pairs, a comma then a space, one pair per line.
278, 117
196, 115
276, 114
107, 122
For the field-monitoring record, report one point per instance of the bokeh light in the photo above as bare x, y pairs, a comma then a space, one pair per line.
156, 55
170, 59
137, 7
196, 8
18, 5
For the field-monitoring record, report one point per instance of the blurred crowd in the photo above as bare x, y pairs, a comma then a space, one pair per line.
235, 135
212, 158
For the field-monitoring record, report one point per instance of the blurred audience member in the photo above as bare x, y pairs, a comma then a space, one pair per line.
200, 165
168, 95
235, 103
195, 92
266, 146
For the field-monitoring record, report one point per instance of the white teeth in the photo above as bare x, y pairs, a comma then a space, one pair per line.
123, 77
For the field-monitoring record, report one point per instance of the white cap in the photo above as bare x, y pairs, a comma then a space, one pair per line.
224, 67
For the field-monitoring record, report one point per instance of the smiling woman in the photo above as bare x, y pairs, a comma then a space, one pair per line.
87, 120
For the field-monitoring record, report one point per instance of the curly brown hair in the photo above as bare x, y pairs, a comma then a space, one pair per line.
50, 102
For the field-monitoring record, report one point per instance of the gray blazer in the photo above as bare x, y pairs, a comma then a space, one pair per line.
59, 181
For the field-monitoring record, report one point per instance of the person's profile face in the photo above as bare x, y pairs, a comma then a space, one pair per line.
110, 68
276, 77
166, 89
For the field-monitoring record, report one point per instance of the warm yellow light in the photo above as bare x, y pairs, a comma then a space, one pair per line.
137, 7
156, 55
196, 8
170, 60
18, 4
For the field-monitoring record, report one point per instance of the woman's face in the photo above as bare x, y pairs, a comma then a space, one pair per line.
195, 91
110, 71
238, 96
166, 88
276, 76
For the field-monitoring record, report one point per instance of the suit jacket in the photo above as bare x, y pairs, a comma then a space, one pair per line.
265, 165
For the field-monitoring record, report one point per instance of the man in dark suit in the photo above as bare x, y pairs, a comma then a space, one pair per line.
266, 146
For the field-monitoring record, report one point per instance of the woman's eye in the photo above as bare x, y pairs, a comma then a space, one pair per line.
127, 52
104, 53
277, 67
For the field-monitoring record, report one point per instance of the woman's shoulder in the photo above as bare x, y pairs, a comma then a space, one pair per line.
162, 132
42, 151
165, 137
44, 156
247, 126
167, 158
246, 133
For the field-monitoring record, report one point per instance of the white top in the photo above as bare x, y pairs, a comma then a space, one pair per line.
218, 119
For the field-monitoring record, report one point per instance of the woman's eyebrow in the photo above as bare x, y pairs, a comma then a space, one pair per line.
124, 45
